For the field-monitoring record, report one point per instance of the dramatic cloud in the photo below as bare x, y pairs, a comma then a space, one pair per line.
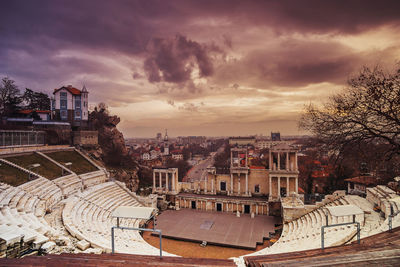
174, 60
197, 67
292, 63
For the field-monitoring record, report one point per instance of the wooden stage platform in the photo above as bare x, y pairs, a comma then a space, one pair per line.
217, 228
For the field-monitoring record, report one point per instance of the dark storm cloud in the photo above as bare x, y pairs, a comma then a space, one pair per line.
292, 63
127, 26
338, 16
173, 60
123, 26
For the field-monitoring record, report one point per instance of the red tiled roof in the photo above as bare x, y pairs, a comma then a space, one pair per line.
29, 111
71, 89
257, 167
367, 180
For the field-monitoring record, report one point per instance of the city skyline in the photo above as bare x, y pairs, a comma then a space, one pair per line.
212, 68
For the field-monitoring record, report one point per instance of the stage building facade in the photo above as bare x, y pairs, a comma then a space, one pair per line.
246, 189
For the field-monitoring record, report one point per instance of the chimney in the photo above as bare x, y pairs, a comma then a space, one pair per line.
69, 86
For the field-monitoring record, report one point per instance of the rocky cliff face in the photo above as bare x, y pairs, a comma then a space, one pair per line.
111, 139
111, 149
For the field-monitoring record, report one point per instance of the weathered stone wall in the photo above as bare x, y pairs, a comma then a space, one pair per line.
258, 177
255, 177
228, 205
86, 138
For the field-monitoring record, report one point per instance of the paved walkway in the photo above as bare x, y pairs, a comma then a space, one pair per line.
216, 227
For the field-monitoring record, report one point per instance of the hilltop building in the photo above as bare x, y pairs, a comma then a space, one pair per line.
70, 104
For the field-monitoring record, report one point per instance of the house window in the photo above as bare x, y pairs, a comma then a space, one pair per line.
63, 104
63, 114
257, 188
78, 101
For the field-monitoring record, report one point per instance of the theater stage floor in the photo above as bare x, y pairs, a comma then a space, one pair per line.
216, 227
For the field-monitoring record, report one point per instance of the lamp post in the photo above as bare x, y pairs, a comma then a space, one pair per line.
30, 167
66, 164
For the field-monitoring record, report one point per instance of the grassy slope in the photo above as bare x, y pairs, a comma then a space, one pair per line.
47, 168
12, 176
79, 164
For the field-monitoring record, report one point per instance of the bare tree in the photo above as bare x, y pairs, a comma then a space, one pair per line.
368, 111
9, 97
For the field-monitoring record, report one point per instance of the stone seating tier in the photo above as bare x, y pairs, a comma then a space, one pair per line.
69, 184
93, 178
305, 232
88, 216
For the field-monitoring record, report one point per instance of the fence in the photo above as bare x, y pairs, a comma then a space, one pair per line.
10, 138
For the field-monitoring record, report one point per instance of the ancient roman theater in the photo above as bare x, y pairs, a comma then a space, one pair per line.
57, 201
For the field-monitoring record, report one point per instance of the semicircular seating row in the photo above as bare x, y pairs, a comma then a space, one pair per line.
23, 209
88, 216
304, 233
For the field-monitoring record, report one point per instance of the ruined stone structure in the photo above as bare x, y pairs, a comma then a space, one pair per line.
86, 138
245, 189
283, 171
167, 181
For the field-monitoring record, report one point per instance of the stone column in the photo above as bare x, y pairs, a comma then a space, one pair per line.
270, 160
279, 161
295, 161
231, 184
256, 209
287, 161
173, 181
279, 186
287, 186
159, 177
270, 184
239, 184
247, 184
205, 184
166, 181
154, 180
297, 185
212, 185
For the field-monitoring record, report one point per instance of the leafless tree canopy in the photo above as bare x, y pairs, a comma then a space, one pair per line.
366, 112
9, 96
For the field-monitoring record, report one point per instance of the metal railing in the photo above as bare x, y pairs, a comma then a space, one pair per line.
11, 138
135, 229
391, 216
338, 224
